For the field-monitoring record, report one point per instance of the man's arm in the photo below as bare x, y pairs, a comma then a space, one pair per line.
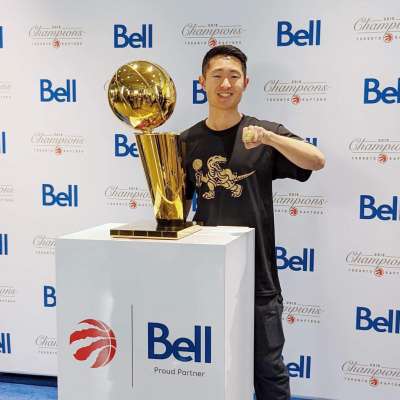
300, 153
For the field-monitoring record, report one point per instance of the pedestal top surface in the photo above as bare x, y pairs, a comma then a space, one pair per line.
218, 235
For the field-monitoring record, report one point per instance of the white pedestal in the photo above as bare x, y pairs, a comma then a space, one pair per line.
181, 313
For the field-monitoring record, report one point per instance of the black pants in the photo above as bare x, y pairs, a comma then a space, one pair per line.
271, 378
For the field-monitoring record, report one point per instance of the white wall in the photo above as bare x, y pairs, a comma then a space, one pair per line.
332, 111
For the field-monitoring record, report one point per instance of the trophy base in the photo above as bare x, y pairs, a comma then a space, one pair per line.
149, 230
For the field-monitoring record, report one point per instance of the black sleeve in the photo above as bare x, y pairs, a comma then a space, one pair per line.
282, 167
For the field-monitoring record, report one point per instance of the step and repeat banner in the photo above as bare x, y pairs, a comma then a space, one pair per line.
327, 70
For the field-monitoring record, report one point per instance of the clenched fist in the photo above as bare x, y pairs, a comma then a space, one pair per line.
253, 136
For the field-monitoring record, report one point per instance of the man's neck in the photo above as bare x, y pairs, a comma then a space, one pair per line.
220, 120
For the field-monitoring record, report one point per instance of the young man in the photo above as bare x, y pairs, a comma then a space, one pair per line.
231, 162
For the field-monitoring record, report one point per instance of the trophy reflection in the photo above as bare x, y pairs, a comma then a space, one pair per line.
143, 95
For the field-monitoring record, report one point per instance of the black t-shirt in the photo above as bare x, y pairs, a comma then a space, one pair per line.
226, 136
237, 190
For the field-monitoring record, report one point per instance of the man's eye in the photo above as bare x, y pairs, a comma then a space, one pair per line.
216, 76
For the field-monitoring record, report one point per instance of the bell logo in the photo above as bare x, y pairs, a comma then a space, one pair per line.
123, 148
301, 369
373, 95
5, 343
387, 324
62, 199
384, 212
158, 337
135, 40
199, 94
103, 340
3, 244
60, 94
312, 140
295, 263
49, 296
3, 148
302, 37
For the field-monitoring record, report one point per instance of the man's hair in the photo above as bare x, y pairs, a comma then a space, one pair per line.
224, 50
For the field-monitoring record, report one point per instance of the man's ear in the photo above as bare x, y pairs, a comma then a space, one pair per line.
246, 82
202, 81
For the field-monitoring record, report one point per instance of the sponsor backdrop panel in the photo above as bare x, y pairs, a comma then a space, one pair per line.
327, 71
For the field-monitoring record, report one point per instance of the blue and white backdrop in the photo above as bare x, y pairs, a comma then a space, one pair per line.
327, 70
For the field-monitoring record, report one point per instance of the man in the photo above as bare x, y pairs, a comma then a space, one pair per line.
231, 162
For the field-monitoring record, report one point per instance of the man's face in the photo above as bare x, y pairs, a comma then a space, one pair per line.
224, 82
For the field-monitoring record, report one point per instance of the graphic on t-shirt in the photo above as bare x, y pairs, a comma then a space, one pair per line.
218, 177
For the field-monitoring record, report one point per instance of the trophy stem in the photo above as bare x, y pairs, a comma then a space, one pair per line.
162, 159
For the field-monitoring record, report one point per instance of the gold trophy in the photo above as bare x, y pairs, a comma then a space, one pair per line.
143, 95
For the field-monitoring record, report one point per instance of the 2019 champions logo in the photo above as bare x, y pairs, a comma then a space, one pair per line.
384, 30
96, 339
57, 143
8, 294
296, 92
212, 35
5, 90
130, 196
380, 151
296, 204
46, 345
6, 193
378, 265
294, 312
56, 36
373, 374
44, 245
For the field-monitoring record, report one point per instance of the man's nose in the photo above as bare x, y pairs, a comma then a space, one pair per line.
225, 83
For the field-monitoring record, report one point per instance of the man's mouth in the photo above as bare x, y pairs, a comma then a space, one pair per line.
224, 94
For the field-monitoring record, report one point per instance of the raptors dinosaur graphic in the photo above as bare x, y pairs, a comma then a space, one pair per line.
218, 177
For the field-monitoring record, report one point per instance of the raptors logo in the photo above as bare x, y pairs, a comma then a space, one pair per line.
56, 43
295, 100
291, 319
387, 37
379, 272
218, 177
373, 382
103, 340
212, 42
132, 204
382, 158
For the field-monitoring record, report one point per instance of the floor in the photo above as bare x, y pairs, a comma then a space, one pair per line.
28, 387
